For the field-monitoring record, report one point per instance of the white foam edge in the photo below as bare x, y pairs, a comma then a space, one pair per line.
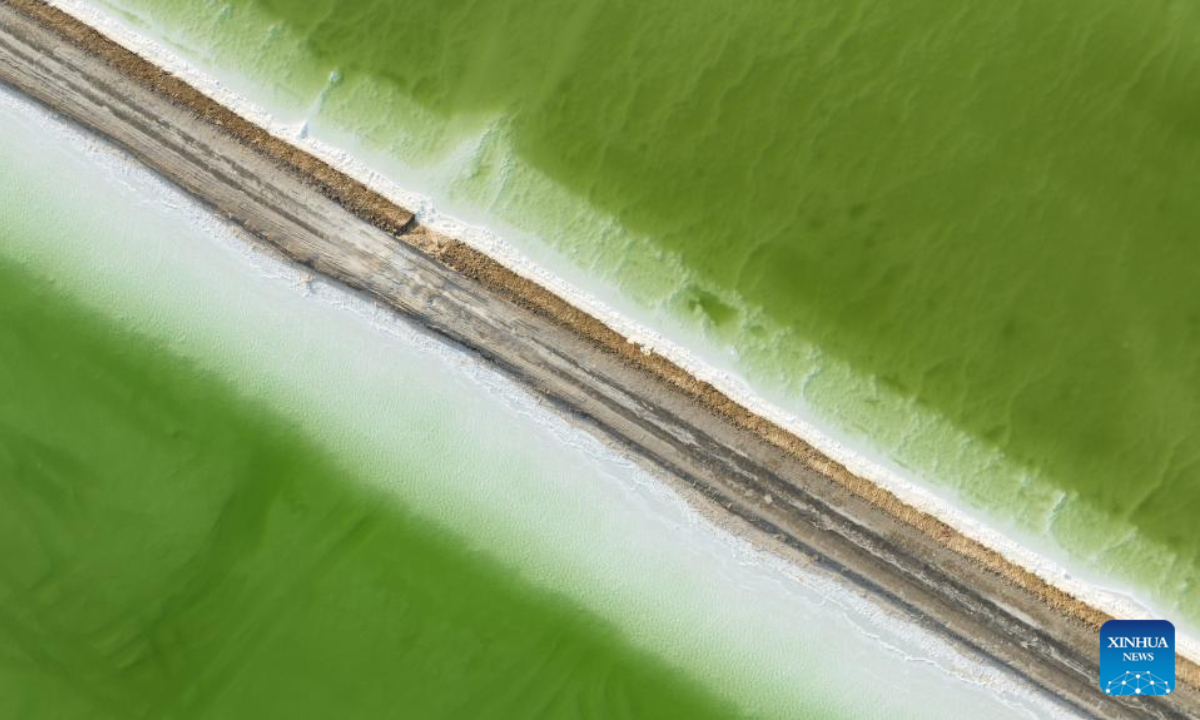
1118, 602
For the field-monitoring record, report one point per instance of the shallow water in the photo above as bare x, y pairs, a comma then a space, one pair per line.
965, 235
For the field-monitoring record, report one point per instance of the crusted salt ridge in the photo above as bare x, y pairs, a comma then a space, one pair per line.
1112, 601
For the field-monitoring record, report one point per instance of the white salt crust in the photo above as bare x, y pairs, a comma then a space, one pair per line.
1120, 602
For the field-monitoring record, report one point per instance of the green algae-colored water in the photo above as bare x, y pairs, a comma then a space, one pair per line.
170, 550
966, 232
